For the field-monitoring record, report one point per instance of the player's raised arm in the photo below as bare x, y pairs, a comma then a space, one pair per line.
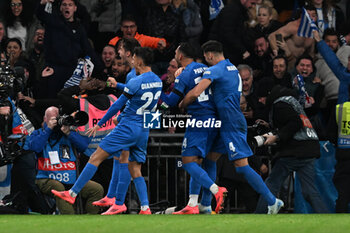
114, 109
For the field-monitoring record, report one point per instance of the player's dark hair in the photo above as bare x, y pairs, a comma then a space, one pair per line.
129, 44
212, 46
146, 54
187, 50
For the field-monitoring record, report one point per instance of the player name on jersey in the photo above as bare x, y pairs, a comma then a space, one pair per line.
151, 85
200, 70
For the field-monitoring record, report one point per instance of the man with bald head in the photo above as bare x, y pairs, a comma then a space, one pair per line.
53, 145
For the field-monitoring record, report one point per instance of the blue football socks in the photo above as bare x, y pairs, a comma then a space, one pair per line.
141, 189
198, 174
86, 175
123, 183
195, 187
210, 167
112, 188
257, 183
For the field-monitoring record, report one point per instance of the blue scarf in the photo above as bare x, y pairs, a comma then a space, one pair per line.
304, 98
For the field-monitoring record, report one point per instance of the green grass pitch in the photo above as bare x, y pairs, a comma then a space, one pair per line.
284, 223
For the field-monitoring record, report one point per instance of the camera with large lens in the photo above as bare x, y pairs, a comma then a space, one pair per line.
259, 140
255, 138
11, 80
78, 119
11, 148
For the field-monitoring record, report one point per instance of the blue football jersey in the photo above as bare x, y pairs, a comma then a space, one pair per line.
145, 90
226, 84
227, 88
130, 75
188, 79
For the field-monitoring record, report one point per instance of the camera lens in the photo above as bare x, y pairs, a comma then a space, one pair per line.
259, 140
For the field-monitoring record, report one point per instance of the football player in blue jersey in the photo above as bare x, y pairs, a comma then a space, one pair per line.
126, 51
198, 140
143, 92
226, 84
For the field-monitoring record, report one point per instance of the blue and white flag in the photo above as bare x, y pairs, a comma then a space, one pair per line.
307, 25
83, 70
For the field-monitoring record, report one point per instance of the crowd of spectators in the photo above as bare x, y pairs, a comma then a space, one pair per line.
54, 41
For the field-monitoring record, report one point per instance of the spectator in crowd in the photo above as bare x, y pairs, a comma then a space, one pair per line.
280, 75
341, 72
314, 90
328, 78
20, 21
229, 28
14, 51
161, 21
298, 147
129, 30
36, 53
3, 37
297, 45
105, 16
65, 42
108, 55
190, 13
120, 69
23, 67
209, 10
261, 60
254, 12
249, 91
126, 52
266, 23
54, 147
169, 78
328, 14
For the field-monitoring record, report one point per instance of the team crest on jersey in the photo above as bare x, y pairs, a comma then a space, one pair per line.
152, 120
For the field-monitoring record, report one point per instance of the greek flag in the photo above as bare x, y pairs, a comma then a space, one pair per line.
307, 25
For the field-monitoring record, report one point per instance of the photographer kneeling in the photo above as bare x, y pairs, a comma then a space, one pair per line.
57, 161
297, 147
